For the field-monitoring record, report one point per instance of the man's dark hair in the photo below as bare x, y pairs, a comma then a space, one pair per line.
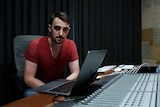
61, 15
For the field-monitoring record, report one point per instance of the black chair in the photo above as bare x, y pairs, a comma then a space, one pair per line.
20, 44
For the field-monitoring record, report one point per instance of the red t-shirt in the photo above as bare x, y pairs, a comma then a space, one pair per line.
48, 68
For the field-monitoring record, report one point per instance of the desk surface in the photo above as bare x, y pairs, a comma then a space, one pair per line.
37, 100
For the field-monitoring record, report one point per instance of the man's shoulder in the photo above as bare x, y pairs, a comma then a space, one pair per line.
69, 41
37, 40
69, 45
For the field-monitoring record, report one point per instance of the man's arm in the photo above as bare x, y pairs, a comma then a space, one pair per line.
74, 69
29, 74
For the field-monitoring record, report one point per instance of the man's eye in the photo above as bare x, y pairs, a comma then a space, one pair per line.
57, 28
65, 29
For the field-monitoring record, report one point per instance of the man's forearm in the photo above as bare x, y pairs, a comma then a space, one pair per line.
33, 82
72, 76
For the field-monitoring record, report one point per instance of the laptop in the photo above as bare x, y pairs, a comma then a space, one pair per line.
81, 86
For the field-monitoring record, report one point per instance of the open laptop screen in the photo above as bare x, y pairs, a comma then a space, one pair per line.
88, 71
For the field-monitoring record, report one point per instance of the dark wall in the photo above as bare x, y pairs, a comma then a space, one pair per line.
114, 25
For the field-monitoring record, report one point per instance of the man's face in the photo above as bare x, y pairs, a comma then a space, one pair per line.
59, 30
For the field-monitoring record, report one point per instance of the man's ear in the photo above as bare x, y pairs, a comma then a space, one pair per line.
49, 27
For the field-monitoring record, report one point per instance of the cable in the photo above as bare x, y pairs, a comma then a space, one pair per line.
75, 98
55, 96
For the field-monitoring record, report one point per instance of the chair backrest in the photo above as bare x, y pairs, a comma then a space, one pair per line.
20, 44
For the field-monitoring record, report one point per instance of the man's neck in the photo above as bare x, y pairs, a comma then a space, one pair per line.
55, 46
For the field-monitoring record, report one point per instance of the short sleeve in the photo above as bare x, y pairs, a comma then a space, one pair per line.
31, 53
73, 53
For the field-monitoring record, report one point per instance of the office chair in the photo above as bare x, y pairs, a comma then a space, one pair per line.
20, 44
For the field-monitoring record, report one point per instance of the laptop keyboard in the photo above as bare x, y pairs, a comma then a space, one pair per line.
65, 88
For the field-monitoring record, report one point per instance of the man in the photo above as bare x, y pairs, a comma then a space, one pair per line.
47, 57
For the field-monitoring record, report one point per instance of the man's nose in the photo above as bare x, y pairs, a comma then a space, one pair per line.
61, 32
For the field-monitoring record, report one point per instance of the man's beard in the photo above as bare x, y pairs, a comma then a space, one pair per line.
59, 39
